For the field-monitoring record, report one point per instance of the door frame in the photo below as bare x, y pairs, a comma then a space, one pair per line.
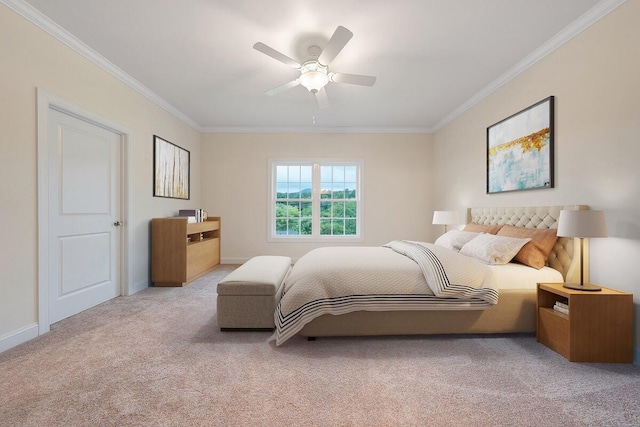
45, 102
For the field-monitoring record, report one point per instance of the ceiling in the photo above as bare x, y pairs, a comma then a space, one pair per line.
432, 58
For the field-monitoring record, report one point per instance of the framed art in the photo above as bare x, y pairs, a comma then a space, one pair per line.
520, 150
170, 170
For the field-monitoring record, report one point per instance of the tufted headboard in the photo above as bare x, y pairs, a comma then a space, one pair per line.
564, 256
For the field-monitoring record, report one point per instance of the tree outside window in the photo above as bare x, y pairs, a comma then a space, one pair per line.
316, 199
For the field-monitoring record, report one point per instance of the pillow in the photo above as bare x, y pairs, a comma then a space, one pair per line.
535, 253
492, 249
482, 228
455, 239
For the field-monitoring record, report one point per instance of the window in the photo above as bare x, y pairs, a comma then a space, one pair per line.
313, 200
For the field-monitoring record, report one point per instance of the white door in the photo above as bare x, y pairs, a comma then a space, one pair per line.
84, 215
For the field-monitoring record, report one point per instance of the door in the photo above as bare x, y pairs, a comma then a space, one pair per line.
84, 162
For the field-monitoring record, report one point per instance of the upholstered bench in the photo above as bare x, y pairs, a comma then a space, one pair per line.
248, 296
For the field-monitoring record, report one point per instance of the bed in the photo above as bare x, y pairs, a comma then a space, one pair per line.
513, 311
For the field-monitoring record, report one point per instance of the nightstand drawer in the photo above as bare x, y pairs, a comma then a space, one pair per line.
553, 330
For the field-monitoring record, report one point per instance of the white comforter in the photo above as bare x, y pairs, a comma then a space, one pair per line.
338, 280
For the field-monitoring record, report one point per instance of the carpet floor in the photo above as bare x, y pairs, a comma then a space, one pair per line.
158, 358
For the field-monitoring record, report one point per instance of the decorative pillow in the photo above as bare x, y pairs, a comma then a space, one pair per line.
492, 249
455, 239
482, 228
535, 253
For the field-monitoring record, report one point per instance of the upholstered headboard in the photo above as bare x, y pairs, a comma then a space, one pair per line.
564, 256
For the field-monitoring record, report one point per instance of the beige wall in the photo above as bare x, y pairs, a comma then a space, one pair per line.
235, 176
33, 59
595, 78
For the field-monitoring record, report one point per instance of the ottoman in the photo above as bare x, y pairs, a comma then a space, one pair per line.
248, 296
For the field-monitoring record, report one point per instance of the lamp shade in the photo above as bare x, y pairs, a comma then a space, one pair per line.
582, 223
445, 217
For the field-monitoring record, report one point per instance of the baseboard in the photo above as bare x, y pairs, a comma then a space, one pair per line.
237, 261
140, 286
18, 337
636, 356
233, 261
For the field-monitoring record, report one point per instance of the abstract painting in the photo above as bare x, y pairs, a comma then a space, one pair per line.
520, 150
171, 170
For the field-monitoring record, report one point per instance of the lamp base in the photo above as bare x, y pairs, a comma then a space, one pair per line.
582, 287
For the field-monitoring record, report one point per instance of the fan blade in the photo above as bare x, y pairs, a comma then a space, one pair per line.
269, 51
336, 43
282, 88
353, 79
322, 99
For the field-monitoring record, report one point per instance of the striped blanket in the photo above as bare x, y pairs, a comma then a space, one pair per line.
401, 275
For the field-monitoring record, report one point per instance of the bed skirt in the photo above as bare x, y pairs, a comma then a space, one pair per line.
515, 312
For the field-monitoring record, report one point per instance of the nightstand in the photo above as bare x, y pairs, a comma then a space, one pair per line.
598, 327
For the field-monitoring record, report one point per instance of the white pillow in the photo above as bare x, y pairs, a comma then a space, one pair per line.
492, 249
455, 239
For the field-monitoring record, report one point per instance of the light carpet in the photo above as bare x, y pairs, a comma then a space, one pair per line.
158, 358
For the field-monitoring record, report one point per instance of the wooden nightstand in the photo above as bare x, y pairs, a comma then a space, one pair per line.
598, 328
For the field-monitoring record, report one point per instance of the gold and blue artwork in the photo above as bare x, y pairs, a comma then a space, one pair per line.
520, 150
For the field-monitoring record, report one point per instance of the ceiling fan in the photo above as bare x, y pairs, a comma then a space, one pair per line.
314, 72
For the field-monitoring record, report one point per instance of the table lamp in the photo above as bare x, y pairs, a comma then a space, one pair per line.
582, 224
445, 218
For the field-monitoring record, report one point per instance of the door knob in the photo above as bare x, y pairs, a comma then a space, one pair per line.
117, 223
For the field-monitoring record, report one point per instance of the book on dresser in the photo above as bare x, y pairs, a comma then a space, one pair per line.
193, 215
182, 251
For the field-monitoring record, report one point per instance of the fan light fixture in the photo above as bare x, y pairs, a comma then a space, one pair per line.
313, 76
314, 73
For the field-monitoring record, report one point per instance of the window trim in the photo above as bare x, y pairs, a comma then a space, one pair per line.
316, 163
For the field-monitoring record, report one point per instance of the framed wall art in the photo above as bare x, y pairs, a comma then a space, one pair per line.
520, 150
170, 170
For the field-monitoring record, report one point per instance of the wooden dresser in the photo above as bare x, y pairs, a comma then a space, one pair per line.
181, 251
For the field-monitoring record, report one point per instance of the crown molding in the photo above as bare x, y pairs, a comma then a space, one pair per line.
37, 18
589, 18
320, 129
